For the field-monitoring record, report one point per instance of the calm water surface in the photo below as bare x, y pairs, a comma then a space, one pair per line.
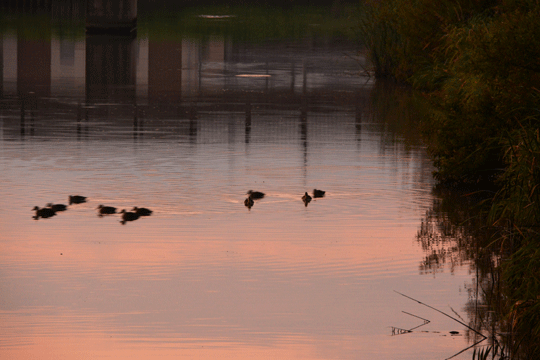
185, 128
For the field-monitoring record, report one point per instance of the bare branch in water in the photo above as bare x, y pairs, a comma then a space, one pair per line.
398, 331
445, 314
467, 348
426, 321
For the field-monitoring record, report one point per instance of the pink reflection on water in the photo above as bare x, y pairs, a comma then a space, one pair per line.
204, 277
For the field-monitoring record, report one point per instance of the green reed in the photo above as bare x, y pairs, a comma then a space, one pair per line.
477, 62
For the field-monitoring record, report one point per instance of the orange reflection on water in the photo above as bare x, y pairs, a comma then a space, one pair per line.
102, 346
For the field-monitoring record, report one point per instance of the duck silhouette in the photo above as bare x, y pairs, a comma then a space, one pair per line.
77, 199
318, 193
43, 212
128, 216
256, 195
306, 198
249, 202
57, 207
142, 211
105, 210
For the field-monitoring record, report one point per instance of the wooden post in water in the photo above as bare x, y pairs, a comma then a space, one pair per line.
114, 17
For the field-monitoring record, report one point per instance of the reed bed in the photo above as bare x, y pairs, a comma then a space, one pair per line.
476, 62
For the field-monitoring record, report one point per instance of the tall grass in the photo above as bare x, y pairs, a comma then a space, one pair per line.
477, 61
405, 37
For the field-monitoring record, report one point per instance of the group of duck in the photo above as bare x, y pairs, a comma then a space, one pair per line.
256, 195
51, 209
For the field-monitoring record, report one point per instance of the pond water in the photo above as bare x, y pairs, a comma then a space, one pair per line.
186, 127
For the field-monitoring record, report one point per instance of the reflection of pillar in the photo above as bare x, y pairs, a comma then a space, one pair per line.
9, 70
231, 131
1, 66
304, 129
216, 56
267, 78
292, 77
192, 130
68, 63
303, 116
304, 78
248, 122
23, 113
68, 10
142, 70
111, 16
79, 119
164, 71
358, 121
110, 68
34, 67
28, 105
191, 63
67, 52
193, 123
138, 124
82, 122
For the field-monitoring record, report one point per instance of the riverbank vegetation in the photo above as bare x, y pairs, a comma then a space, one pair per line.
478, 64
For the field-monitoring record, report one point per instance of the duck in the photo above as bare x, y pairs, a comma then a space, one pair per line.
306, 198
43, 212
105, 210
142, 211
256, 195
318, 193
57, 207
77, 199
128, 216
249, 202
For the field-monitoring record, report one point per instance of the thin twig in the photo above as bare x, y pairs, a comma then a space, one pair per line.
398, 331
416, 316
467, 348
431, 307
366, 71
426, 321
455, 312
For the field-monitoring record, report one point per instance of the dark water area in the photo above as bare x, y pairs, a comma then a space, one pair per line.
184, 122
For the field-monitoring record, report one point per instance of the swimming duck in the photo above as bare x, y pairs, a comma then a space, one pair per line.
128, 216
105, 210
43, 212
255, 195
142, 211
57, 207
306, 198
249, 202
76, 199
318, 193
